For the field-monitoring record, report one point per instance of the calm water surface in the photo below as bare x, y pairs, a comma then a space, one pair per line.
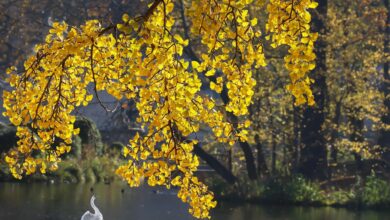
40, 201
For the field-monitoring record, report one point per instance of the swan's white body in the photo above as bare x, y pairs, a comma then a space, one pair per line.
95, 216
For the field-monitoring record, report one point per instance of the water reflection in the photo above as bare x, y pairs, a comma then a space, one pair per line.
68, 201
39, 201
255, 212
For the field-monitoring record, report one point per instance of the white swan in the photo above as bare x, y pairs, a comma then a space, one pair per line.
95, 216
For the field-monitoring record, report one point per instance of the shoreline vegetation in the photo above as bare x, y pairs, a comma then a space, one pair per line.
371, 192
88, 170
92, 161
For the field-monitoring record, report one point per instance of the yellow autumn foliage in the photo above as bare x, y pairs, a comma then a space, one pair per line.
142, 59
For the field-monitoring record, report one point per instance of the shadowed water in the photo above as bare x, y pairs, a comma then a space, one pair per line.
40, 201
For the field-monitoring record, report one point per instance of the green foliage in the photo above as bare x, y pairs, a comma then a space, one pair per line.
115, 149
302, 190
220, 187
376, 192
69, 172
339, 197
295, 190
76, 149
91, 169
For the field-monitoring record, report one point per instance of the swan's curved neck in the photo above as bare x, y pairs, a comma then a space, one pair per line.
94, 206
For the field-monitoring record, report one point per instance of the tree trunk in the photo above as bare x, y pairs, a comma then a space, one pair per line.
335, 132
273, 161
215, 164
314, 154
245, 147
262, 168
384, 139
249, 160
357, 136
333, 137
297, 140
230, 159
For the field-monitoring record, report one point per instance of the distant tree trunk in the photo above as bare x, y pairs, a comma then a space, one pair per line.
286, 167
262, 168
384, 139
249, 159
357, 136
297, 142
230, 159
245, 147
335, 132
334, 136
314, 154
273, 161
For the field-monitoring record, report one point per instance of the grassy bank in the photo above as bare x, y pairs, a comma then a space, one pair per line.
371, 192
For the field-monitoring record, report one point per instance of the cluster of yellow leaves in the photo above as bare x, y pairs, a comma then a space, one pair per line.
362, 148
289, 24
144, 62
46, 93
232, 48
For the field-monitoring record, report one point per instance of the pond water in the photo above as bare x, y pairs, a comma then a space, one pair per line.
39, 201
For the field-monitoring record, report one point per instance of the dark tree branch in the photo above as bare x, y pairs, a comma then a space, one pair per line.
215, 164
